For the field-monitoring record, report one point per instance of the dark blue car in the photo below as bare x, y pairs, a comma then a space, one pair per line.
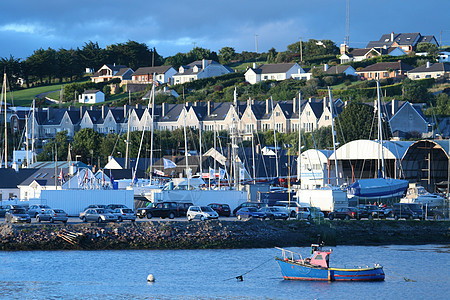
250, 212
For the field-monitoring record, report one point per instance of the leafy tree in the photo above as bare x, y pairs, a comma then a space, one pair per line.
91, 55
415, 90
272, 55
62, 145
87, 143
226, 54
12, 67
442, 105
42, 63
355, 122
430, 48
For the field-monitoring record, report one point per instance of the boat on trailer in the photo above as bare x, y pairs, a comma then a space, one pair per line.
316, 267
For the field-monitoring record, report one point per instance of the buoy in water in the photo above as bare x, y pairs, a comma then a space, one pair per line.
150, 278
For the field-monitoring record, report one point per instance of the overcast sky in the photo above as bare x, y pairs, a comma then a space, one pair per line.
174, 26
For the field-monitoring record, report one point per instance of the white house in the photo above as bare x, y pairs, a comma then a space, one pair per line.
200, 69
274, 72
144, 75
429, 70
108, 72
92, 97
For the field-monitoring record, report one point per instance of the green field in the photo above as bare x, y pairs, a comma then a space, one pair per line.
25, 97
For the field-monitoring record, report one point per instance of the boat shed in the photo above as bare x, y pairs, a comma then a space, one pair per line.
359, 159
426, 162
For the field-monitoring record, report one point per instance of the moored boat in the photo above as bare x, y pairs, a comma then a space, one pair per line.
316, 267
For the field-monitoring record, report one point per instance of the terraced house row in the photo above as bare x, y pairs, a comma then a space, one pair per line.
244, 116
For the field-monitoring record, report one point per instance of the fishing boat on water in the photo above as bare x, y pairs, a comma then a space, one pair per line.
316, 267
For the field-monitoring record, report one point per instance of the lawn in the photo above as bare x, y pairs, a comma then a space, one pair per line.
25, 97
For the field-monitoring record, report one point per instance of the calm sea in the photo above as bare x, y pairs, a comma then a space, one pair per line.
412, 272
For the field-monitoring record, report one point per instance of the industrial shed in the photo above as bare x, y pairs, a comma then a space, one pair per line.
359, 159
427, 163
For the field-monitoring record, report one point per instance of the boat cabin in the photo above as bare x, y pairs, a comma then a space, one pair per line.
319, 257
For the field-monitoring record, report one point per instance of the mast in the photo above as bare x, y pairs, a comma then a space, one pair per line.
26, 143
299, 167
380, 132
151, 131
128, 134
200, 136
32, 131
185, 149
253, 157
6, 126
275, 137
215, 149
334, 136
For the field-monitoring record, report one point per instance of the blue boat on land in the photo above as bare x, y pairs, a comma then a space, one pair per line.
316, 267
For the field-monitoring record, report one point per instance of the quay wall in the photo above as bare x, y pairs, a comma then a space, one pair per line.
218, 234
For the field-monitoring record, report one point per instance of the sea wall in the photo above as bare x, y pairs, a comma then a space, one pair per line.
218, 234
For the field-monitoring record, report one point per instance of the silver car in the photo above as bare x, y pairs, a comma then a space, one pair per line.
201, 212
123, 214
53, 215
98, 215
33, 210
17, 215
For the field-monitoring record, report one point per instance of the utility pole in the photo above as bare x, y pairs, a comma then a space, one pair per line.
347, 25
301, 50
256, 47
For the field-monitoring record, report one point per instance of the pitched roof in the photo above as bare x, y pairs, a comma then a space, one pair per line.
151, 70
403, 39
11, 179
383, 66
91, 91
273, 68
437, 67
337, 69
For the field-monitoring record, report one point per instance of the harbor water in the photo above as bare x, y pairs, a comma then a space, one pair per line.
412, 272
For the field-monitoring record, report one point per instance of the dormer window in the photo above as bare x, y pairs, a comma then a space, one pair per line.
181, 70
195, 69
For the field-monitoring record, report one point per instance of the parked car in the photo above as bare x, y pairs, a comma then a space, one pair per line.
5, 208
142, 212
375, 212
275, 212
53, 215
16, 215
221, 209
258, 205
345, 213
293, 206
95, 206
407, 211
124, 214
168, 210
98, 215
33, 210
114, 206
201, 212
250, 212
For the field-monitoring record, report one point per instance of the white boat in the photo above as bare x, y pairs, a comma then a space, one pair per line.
378, 188
419, 195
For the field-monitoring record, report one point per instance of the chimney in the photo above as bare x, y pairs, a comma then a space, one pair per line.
310, 100
125, 111
392, 36
138, 106
325, 67
164, 108
428, 64
208, 107
249, 101
267, 106
394, 106
346, 103
254, 65
49, 113
103, 111
325, 103
204, 63
82, 110
294, 105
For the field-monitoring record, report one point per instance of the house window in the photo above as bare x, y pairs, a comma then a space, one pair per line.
385, 74
327, 117
277, 113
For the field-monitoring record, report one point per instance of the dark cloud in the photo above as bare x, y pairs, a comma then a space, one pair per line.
171, 27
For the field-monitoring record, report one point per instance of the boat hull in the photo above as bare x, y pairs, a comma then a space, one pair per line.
292, 270
377, 188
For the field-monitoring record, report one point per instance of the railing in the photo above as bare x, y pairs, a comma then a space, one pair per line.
289, 255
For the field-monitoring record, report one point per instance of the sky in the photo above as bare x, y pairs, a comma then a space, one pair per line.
179, 25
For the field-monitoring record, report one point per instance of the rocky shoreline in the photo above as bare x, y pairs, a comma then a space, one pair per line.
218, 234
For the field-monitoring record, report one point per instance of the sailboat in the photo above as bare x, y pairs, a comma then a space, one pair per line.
381, 187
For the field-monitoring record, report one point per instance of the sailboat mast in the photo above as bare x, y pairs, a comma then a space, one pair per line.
253, 157
32, 131
275, 137
200, 137
128, 134
380, 131
151, 130
26, 141
186, 149
6, 126
334, 135
299, 167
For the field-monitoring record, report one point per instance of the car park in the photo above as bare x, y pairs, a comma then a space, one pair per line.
345, 213
407, 211
250, 212
274, 213
33, 210
201, 212
293, 206
17, 215
222, 209
98, 215
52, 215
258, 205
124, 214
